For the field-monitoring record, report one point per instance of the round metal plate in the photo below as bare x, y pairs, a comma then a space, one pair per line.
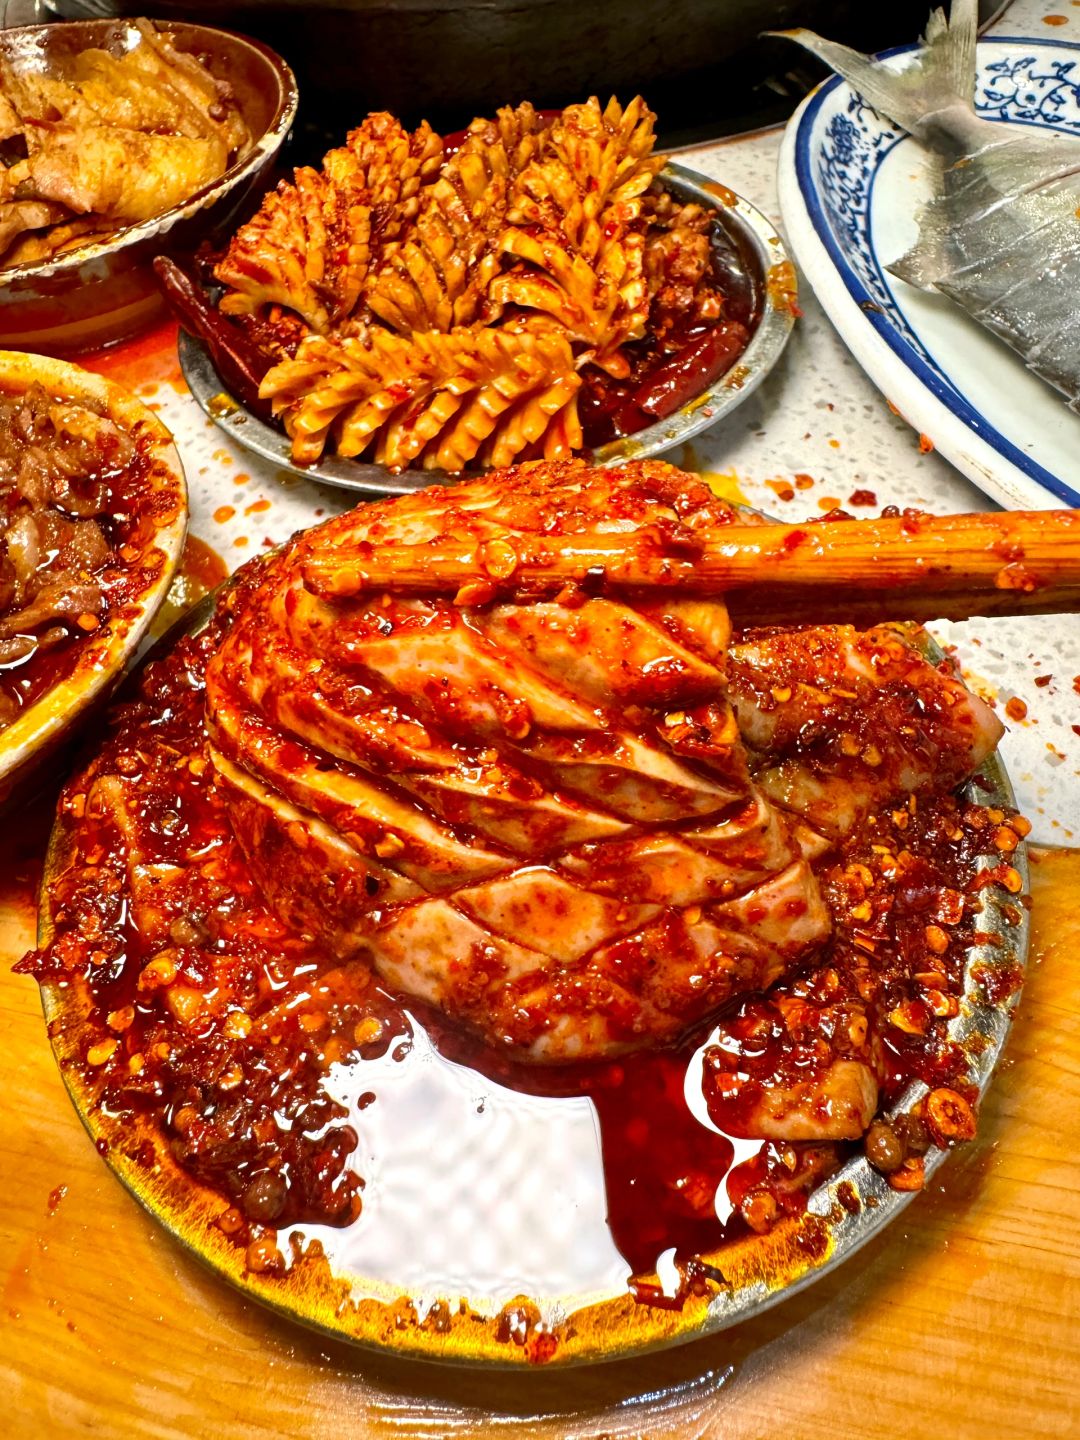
429, 1315
755, 235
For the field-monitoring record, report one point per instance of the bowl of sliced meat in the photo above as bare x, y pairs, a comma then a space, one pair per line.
120, 140
93, 511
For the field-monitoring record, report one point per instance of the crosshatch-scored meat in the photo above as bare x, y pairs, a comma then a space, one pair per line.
581, 824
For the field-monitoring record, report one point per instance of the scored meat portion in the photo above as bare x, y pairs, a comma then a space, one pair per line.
541, 816
538, 817
843, 721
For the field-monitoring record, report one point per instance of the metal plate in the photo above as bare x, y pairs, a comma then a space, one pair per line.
753, 233
472, 1184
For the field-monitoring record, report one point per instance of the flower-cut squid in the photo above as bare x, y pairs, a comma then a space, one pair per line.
443, 304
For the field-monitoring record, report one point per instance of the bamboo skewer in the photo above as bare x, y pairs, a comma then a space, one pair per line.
915, 567
784, 605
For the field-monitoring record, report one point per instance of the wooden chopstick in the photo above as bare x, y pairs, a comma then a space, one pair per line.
904, 567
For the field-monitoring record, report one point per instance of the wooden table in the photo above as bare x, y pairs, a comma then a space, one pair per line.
960, 1319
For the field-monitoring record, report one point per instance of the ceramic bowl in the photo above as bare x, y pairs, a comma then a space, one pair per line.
105, 291
153, 540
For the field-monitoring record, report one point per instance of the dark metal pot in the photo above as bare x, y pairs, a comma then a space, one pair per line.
447, 60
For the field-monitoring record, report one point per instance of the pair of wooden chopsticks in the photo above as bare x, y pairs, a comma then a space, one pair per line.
913, 567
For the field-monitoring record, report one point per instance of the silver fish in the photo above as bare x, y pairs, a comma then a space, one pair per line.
1002, 235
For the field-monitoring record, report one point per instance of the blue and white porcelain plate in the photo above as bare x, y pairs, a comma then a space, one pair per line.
851, 186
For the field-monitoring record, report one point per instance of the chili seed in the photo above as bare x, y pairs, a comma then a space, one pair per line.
186, 1003
759, 1210
936, 939
368, 1030
159, 971
910, 1176
884, 1147
237, 1025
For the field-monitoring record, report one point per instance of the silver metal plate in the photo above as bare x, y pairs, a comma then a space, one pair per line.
479, 1189
756, 237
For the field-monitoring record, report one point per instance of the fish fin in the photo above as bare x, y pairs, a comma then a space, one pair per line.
942, 73
921, 267
927, 262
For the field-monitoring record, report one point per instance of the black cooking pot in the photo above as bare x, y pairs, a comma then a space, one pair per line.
699, 63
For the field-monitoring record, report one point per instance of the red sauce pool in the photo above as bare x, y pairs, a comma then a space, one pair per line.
665, 377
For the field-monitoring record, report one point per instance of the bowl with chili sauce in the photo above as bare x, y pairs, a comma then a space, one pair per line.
677, 386
93, 514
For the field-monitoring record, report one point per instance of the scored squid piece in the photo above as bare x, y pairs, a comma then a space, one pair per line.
682, 869
332, 886
510, 809
475, 787
783, 1068
603, 651
785, 913
550, 913
465, 685
450, 676
483, 792
689, 961
582, 787
371, 819
850, 720
627, 776
838, 1104
410, 947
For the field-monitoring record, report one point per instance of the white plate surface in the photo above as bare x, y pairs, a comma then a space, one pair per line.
851, 185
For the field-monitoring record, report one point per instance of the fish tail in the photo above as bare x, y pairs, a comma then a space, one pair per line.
942, 73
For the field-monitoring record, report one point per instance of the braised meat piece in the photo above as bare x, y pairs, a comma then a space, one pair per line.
58, 462
106, 140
